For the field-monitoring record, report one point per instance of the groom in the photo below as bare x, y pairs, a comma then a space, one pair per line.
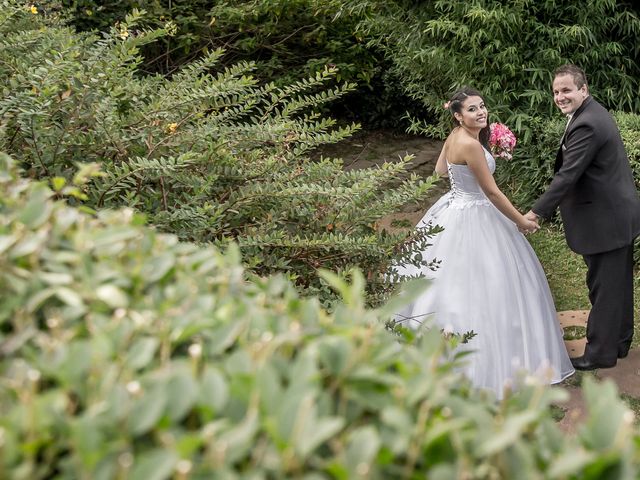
593, 186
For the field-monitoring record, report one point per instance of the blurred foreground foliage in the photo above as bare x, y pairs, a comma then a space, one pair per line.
126, 353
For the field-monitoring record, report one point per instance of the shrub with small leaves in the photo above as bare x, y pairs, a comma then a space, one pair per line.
210, 154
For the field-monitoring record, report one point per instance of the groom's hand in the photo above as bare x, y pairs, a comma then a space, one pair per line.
530, 215
532, 225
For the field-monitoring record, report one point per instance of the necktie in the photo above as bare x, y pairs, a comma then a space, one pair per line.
569, 117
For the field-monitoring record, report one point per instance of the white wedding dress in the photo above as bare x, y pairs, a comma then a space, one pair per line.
490, 282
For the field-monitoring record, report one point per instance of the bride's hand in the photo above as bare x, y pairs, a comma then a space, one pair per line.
528, 226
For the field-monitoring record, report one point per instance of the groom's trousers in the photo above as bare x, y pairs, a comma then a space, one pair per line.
610, 324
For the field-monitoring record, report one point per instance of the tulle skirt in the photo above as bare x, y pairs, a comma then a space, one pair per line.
489, 281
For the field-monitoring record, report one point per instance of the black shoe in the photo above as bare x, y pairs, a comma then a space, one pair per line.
581, 363
623, 353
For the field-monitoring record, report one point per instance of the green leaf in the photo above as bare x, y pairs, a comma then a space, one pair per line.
58, 183
158, 266
112, 296
290, 410
35, 301
396, 418
334, 353
570, 463
509, 432
318, 431
224, 336
362, 449
141, 352
88, 438
271, 390
410, 291
607, 424
156, 464
182, 392
28, 245
114, 234
239, 439
189, 444
148, 409
304, 370
214, 390
68, 296
106, 469
77, 361
6, 241
37, 209
54, 278
443, 472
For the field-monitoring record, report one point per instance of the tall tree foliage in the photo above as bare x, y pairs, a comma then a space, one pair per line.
397, 47
286, 40
508, 50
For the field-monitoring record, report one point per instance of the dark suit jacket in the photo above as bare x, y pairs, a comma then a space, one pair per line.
593, 184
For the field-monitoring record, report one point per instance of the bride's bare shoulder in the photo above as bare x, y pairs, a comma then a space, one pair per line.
460, 148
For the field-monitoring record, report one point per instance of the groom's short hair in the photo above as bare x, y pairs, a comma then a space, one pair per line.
578, 75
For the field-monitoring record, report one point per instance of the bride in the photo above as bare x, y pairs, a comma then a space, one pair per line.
489, 280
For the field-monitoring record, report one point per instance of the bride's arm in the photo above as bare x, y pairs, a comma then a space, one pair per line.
441, 164
478, 165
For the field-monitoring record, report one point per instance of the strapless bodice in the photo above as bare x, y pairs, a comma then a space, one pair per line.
465, 189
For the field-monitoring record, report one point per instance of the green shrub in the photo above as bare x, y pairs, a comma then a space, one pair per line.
629, 124
211, 157
528, 174
125, 353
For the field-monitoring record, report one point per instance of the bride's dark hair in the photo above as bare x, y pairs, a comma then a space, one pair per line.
455, 106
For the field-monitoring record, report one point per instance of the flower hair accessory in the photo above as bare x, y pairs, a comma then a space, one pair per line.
502, 141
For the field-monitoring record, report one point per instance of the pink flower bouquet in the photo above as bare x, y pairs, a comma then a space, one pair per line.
502, 141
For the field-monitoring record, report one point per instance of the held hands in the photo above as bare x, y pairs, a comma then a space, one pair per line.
529, 223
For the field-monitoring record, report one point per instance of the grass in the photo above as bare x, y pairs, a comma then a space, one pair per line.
401, 223
566, 271
634, 404
557, 412
566, 274
575, 380
574, 333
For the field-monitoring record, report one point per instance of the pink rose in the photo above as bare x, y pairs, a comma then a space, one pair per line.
502, 141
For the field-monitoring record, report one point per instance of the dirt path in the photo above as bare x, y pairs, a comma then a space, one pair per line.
370, 148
